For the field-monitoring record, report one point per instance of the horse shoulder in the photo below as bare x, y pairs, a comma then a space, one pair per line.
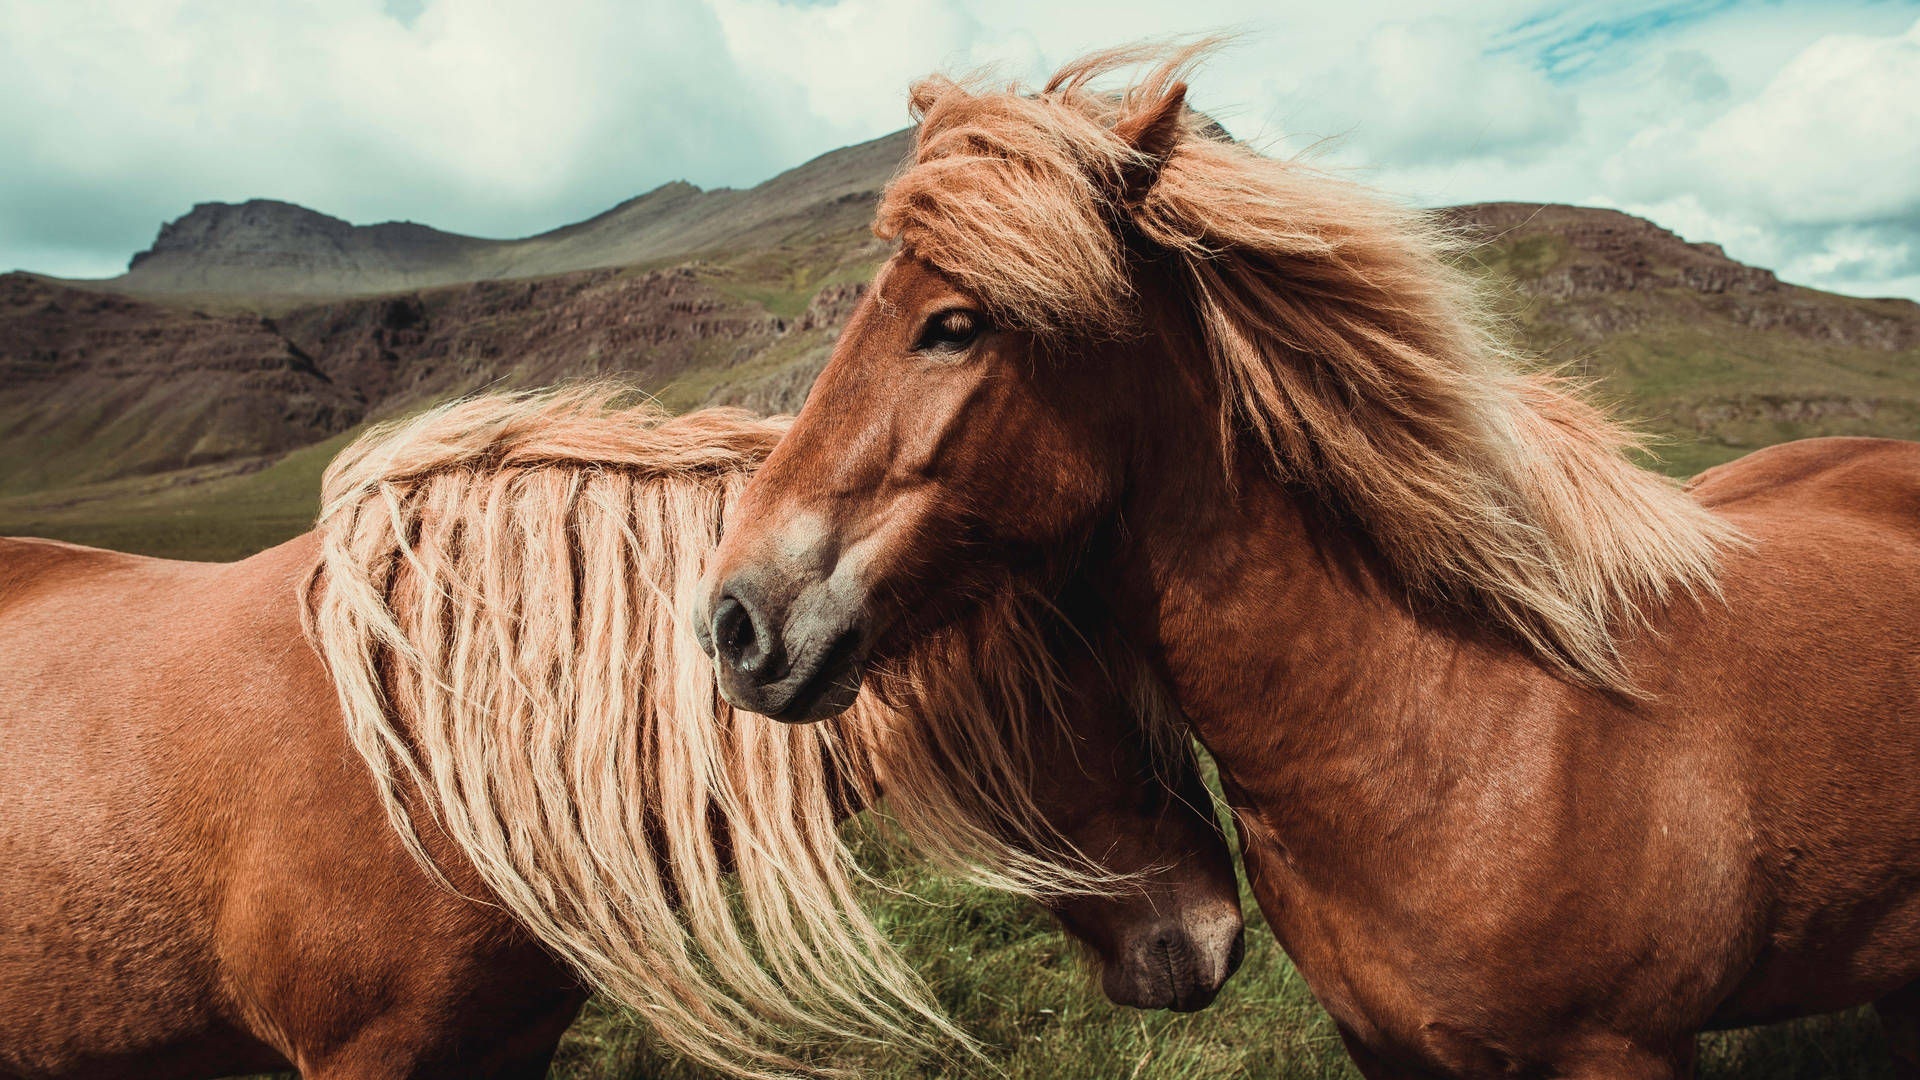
99, 892
344, 944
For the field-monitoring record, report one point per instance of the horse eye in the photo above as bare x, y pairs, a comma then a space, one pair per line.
950, 331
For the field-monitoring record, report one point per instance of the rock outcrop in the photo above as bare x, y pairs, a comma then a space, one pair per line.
265, 246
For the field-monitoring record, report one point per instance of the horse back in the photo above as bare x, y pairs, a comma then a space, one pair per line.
1874, 480
30, 566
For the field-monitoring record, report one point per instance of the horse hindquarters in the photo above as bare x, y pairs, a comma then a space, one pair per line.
108, 914
198, 879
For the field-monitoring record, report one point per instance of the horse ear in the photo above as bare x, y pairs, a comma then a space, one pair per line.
1152, 132
925, 93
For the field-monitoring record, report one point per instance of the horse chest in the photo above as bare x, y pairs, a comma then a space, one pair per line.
1462, 973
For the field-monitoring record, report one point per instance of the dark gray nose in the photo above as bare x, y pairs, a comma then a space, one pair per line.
794, 661
742, 642
1177, 967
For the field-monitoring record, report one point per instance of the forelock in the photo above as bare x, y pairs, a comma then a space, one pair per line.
1009, 194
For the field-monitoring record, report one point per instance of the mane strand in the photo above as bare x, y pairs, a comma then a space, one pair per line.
498, 601
1351, 354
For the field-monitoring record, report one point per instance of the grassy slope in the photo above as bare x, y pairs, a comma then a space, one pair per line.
997, 963
1707, 389
214, 514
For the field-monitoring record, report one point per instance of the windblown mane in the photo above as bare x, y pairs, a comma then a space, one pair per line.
499, 604
1349, 351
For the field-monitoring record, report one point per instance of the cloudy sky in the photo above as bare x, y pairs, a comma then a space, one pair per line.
1789, 131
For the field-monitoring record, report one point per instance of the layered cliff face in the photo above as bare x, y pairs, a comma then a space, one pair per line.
1719, 357
94, 386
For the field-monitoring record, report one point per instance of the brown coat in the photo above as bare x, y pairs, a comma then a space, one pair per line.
199, 880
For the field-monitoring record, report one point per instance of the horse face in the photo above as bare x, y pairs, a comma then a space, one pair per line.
1172, 936
935, 452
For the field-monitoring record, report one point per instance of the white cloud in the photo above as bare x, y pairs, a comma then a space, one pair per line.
1834, 137
490, 116
1783, 131
1417, 93
1817, 174
848, 64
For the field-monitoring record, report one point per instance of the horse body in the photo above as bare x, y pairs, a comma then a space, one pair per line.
1480, 871
199, 881
1540, 764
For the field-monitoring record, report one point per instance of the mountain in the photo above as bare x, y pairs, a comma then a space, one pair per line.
264, 247
1715, 356
220, 372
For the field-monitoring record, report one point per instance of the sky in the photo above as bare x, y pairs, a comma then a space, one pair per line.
1787, 131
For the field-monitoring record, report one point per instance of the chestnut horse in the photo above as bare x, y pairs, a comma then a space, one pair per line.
1541, 764
390, 799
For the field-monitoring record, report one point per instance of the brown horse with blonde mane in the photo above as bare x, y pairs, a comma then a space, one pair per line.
1541, 764
390, 799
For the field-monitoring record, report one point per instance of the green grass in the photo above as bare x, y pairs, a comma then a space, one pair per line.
218, 513
1025, 990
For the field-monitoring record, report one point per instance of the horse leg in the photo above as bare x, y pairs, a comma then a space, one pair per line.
380, 1062
1608, 1058
413, 1051
1900, 1018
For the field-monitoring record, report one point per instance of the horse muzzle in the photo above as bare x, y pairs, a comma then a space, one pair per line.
1177, 964
794, 661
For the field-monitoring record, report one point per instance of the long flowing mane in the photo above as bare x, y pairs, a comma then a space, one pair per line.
499, 604
1350, 351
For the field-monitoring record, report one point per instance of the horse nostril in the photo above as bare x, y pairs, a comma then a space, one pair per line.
1236, 953
1174, 964
738, 641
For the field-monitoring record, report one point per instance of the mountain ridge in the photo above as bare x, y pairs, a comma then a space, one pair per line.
272, 247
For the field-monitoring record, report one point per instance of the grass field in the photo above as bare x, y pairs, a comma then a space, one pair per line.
997, 963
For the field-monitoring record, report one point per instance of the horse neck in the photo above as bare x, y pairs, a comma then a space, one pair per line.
1340, 713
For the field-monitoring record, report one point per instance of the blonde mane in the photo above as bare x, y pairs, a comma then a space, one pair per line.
499, 602
1350, 352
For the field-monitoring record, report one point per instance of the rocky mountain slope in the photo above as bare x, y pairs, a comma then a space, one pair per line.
97, 386
1718, 357
269, 248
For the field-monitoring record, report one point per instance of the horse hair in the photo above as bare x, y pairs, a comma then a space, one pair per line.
500, 605
1350, 350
